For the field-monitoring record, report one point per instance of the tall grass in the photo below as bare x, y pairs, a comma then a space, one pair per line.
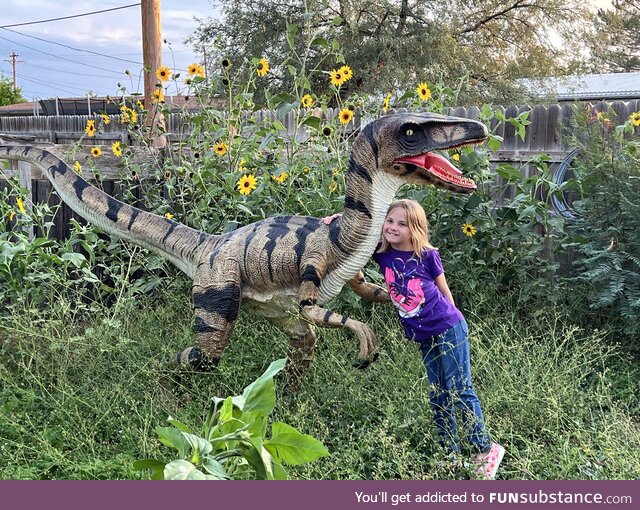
80, 399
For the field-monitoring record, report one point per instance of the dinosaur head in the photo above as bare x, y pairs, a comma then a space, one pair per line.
407, 145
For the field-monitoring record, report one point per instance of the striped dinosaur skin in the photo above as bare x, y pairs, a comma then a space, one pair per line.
283, 268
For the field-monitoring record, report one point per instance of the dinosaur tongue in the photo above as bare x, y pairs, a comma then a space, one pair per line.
441, 168
431, 160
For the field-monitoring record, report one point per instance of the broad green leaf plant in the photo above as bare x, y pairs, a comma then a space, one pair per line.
234, 443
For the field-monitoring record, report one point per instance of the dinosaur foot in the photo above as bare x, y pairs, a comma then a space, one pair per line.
193, 358
361, 364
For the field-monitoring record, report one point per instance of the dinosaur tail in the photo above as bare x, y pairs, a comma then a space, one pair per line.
177, 243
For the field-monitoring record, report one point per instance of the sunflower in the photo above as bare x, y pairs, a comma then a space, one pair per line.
456, 157
157, 96
20, 204
247, 184
12, 215
635, 118
116, 149
468, 229
424, 92
169, 216
220, 148
306, 101
193, 69
226, 63
337, 78
128, 115
281, 178
105, 118
96, 152
91, 128
326, 131
77, 167
263, 67
346, 72
163, 73
333, 187
241, 165
345, 115
385, 104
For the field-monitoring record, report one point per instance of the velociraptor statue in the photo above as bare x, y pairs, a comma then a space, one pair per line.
283, 268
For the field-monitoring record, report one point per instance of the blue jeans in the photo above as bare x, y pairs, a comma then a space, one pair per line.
447, 361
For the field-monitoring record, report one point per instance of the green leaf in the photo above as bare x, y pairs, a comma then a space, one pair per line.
156, 467
320, 41
213, 467
292, 31
179, 425
173, 437
509, 173
279, 472
494, 142
77, 259
259, 459
182, 470
337, 21
289, 446
198, 444
282, 109
312, 121
260, 395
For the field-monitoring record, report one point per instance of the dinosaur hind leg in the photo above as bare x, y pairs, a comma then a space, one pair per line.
216, 301
302, 342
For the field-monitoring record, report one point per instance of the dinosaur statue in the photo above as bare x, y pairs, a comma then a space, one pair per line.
283, 268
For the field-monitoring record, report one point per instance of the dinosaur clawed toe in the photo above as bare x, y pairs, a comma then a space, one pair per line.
362, 364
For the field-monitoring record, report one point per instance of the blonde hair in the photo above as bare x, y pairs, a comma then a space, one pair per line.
417, 224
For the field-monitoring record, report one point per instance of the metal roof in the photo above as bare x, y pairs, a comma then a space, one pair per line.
589, 87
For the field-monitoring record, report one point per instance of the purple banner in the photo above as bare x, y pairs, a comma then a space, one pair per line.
321, 495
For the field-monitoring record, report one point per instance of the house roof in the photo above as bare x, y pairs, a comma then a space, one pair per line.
589, 87
81, 105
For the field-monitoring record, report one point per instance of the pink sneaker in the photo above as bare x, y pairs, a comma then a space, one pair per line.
487, 463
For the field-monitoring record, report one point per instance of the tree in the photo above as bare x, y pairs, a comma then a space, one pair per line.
615, 41
392, 43
9, 95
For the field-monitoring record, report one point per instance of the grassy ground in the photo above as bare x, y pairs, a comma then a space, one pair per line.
80, 400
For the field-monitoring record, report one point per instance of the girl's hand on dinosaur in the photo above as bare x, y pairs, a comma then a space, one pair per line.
329, 219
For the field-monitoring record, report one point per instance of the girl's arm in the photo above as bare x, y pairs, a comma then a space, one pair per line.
443, 287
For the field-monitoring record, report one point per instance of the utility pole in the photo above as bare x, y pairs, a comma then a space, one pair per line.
152, 59
14, 61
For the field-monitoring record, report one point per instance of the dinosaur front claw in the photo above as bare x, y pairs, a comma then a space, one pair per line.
361, 364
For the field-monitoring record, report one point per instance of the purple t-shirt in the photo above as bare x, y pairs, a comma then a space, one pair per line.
423, 310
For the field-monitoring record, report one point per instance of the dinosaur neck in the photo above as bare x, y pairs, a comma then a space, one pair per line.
367, 201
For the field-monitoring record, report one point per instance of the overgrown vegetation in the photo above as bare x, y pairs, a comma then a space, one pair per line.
88, 325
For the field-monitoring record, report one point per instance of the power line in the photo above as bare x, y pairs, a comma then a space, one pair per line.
69, 17
62, 58
72, 48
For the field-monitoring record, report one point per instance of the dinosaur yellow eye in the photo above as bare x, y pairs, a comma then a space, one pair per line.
409, 132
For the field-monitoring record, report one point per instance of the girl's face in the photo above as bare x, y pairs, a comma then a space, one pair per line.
396, 231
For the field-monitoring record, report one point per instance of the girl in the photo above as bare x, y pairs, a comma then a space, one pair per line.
418, 288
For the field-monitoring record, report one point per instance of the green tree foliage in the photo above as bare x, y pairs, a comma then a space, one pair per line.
9, 95
615, 42
607, 227
394, 42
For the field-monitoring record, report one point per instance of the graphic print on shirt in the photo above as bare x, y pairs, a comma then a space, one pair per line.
405, 291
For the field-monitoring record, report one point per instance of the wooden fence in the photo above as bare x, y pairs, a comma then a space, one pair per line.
543, 136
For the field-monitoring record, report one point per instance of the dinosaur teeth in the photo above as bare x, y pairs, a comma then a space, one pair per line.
440, 167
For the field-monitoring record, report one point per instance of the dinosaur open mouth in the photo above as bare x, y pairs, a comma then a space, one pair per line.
439, 167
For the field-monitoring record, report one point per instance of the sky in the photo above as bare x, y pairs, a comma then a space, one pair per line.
60, 58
